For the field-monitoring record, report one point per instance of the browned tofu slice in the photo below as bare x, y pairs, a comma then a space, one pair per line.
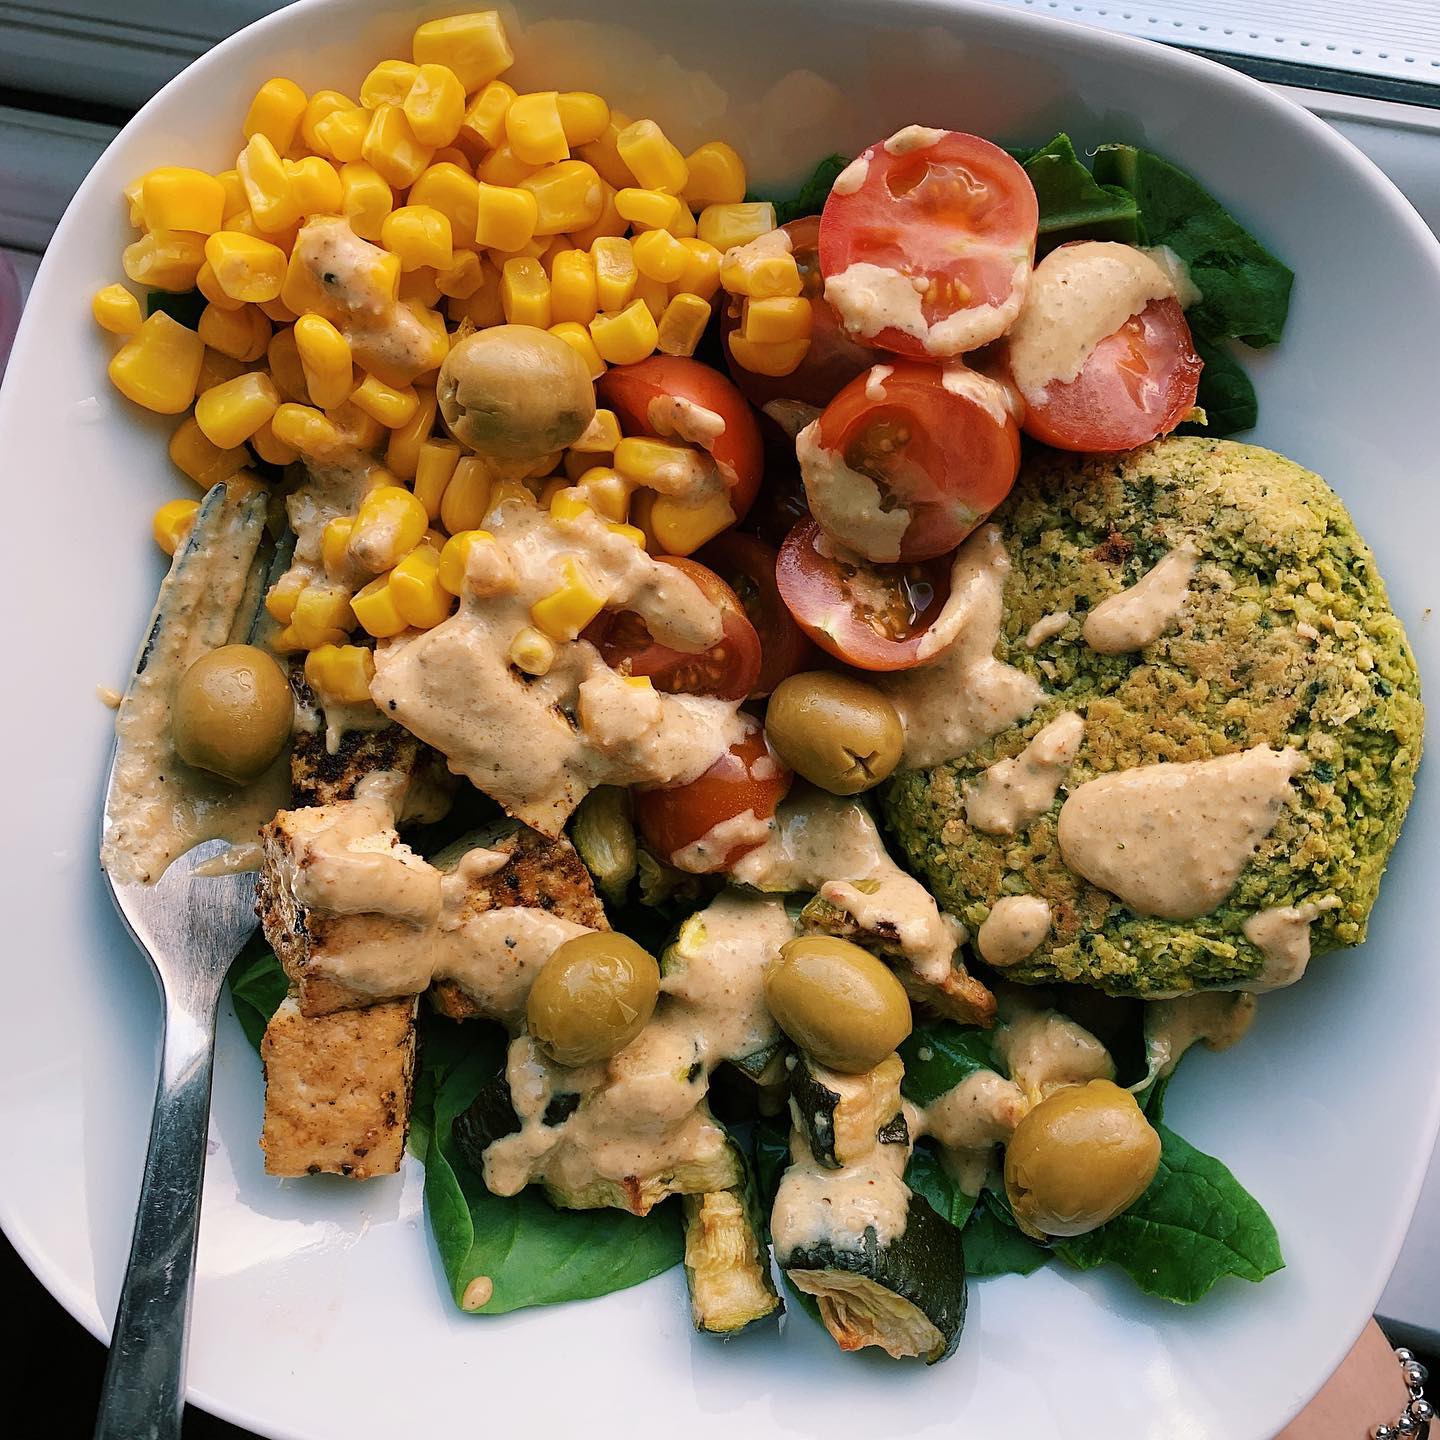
337, 1090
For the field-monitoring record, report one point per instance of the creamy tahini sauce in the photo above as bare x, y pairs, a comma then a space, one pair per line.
538, 744
1141, 614
681, 419
875, 379
914, 137
1014, 929
968, 1122
1187, 292
1044, 1051
1171, 840
1010, 794
999, 401
1216, 1018
832, 846
963, 695
701, 856
853, 176
1078, 295
848, 504
1282, 936
815, 1205
1047, 627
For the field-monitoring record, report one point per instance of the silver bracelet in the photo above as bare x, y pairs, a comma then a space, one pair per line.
1415, 1420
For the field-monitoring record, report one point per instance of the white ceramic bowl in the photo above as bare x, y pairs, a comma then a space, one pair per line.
319, 1309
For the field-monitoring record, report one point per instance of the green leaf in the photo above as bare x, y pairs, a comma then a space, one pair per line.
1195, 1225
1072, 205
810, 199
938, 1056
928, 1179
994, 1244
1226, 395
257, 986
185, 307
532, 1252
1244, 289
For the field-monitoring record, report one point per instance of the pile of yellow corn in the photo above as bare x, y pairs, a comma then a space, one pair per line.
490, 206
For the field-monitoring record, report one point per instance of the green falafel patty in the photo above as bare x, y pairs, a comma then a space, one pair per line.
1286, 638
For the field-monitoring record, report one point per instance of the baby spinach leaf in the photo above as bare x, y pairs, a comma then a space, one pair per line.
532, 1252
810, 198
995, 1245
1193, 1226
257, 986
1244, 289
1226, 395
1073, 206
928, 1179
938, 1056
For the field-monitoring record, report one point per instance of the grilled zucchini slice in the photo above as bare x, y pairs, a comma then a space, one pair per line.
727, 1261
843, 1116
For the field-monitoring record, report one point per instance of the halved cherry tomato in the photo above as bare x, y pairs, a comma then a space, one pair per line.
871, 616
629, 391
909, 439
747, 778
728, 670
1137, 385
833, 358
945, 228
747, 565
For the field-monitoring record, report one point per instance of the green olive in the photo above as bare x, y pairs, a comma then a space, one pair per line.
232, 713
837, 1002
592, 997
515, 392
838, 732
1082, 1156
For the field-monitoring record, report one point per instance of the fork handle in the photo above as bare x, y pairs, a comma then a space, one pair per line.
144, 1391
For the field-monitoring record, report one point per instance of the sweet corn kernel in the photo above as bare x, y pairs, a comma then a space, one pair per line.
568, 196
388, 83
615, 272
419, 235
433, 472
502, 166
601, 435
234, 189
452, 191
335, 545
243, 223
683, 324
265, 444
246, 268
164, 259
435, 105
483, 127
761, 270
174, 198
584, 116
506, 493
564, 501
610, 223
315, 186
505, 217
267, 186
392, 147
455, 559
390, 523
281, 597
276, 112
664, 465
322, 615
777, 320
659, 255
159, 365
173, 522
652, 159
717, 176
633, 533
566, 611
320, 105
683, 225
354, 428
609, 493
484, 307
651, 209
701, 275
283, 359
472, 45
572, 287
209, 287
416, 589
197, 456
550, 489
365, 199
768, 359
215, 368
326, 360
625, 338
341, 133
242, 334
534, 130
278, 312
467, 497
462, 277
115, 309
132, 203
376, 610
654, 293
391, 406
420, 287
681, 529
725, 226
525, 293
574, 464
603, 153
340, 674
577, 337
402, 450
306, 430
230, 413
532, 652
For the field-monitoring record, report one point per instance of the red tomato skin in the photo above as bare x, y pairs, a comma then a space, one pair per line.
815, 592
961, 462
629, 389
908, 232
784, 648
749, 776
1099, 412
